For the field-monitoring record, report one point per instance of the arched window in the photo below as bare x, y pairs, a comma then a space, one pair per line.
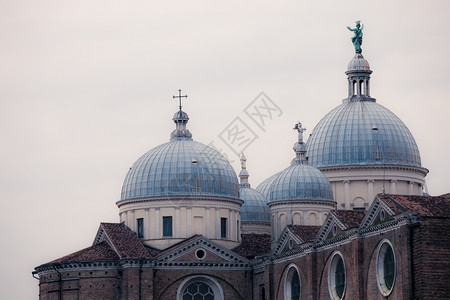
385, 267
337, 276
312, 219
199, 288
292, 286
282, 222
359, 204
297, 219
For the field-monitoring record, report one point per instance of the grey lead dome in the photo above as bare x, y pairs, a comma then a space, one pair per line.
181, 167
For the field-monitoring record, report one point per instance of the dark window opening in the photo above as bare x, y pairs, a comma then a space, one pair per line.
140, 228
340, 277
223, 228
389, 269
167, 226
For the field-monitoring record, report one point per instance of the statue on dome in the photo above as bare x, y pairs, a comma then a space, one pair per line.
300, 130
357, 38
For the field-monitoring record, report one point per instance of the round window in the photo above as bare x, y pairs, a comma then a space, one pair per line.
200, 254
337, 276
385, 267
199, 288
292, 286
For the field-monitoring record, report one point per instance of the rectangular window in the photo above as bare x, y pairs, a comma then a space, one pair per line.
140, 228
223, 228
167, 226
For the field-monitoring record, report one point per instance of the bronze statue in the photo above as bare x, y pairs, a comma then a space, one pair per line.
357, 38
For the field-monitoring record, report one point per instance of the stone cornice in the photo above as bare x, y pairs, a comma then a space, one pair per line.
303, 202
179, 199
421, 170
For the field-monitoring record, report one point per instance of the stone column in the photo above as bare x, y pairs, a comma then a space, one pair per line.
132, 221
146, 225
217, 224
207, 222
188, 222
410, 188
347, 193
230, 226
393, 186
370, 195
157, 222
276, 226
176, 222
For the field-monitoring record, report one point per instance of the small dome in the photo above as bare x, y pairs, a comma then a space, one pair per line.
300, 182
358, 63
361, 133
255, 208
263, 187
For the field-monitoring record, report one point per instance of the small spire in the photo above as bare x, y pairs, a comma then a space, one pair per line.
243, 175
299, 147
180, 118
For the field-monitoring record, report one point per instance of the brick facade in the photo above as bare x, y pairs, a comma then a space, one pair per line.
417, 237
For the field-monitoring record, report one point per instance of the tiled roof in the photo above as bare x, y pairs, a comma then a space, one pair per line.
350, 218
253, 245
305, 233
126, 242
432, 206
101, 251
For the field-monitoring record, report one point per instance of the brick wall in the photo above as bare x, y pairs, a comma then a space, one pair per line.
431, 263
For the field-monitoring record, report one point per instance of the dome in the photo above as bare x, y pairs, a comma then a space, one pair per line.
299, 182
361, 133
263, 187
358, 63
181, 167
255, 208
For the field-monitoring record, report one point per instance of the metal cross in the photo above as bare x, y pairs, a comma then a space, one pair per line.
179, 97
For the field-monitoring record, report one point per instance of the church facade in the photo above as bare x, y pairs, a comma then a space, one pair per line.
347, 219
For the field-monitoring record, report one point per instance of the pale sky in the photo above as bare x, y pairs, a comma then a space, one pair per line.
86, 88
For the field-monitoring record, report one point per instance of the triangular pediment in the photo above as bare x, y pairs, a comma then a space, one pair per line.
331, 228
378, 212
288, 240
199, 251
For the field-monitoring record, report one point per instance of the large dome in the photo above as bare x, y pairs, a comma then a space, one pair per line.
361, 133
181, 167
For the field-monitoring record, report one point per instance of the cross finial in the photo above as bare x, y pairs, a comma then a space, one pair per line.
179, 97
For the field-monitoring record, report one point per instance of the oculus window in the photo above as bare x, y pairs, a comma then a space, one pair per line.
292, 286
337, 276
385, 267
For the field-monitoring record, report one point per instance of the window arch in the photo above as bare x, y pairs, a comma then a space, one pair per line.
200, 287
292, 285
312, 219
385, 267
359, 204
337, 276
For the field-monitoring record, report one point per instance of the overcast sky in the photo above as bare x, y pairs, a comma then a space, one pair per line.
86, 88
